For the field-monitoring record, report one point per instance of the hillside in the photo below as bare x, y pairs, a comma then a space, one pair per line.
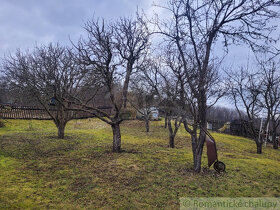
37, 170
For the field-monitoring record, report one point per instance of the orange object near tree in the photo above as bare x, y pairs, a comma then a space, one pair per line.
212, 152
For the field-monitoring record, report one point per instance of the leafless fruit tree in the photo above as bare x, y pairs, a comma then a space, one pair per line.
164, 75
270, 89
112, 52
245, 91
194, 27
172, 92
144, 98
44, 74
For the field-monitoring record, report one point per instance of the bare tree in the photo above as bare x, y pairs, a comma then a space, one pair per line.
245, 91
195, 26
132, 44
44, 74
173, 76
172, 108
161, 87
143, 99
112, 53
271, 95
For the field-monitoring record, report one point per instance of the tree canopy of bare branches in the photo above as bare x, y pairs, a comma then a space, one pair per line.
270, 89
194, 27
111, 53
47, 72
245, 91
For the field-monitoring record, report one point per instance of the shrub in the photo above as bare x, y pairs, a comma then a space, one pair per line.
2, 124
129, 113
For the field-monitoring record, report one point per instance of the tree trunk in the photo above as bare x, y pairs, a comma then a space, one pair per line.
197, 159
274, 140
165, 121
147, 123
259, 147
116, 137
171, 134
194, 140
202, 107
126, 81
274, 134
171, 141
196, 149
61, 129
276, 144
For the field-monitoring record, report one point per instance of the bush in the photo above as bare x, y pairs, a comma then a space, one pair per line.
2, 124
128, 114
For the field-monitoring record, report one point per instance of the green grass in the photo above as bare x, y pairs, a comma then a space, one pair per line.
39, 171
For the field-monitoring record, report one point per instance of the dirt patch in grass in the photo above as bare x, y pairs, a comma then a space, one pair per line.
81, 183
25, 146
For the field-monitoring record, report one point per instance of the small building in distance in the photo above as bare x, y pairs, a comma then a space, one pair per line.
154, 113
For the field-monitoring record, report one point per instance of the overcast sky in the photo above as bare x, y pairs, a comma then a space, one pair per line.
23, 23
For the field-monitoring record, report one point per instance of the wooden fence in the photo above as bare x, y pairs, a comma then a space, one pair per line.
29, 112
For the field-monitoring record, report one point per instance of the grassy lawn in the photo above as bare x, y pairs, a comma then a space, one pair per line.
37, 170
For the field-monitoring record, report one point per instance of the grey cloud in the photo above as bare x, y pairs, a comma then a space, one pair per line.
23, 23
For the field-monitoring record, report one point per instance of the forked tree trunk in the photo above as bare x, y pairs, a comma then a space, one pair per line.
197, 159
147, 124
165, 121
172, 133
196, 148
116, 137
202, 107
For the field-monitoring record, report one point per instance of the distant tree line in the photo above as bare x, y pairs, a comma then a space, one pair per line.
222, 114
